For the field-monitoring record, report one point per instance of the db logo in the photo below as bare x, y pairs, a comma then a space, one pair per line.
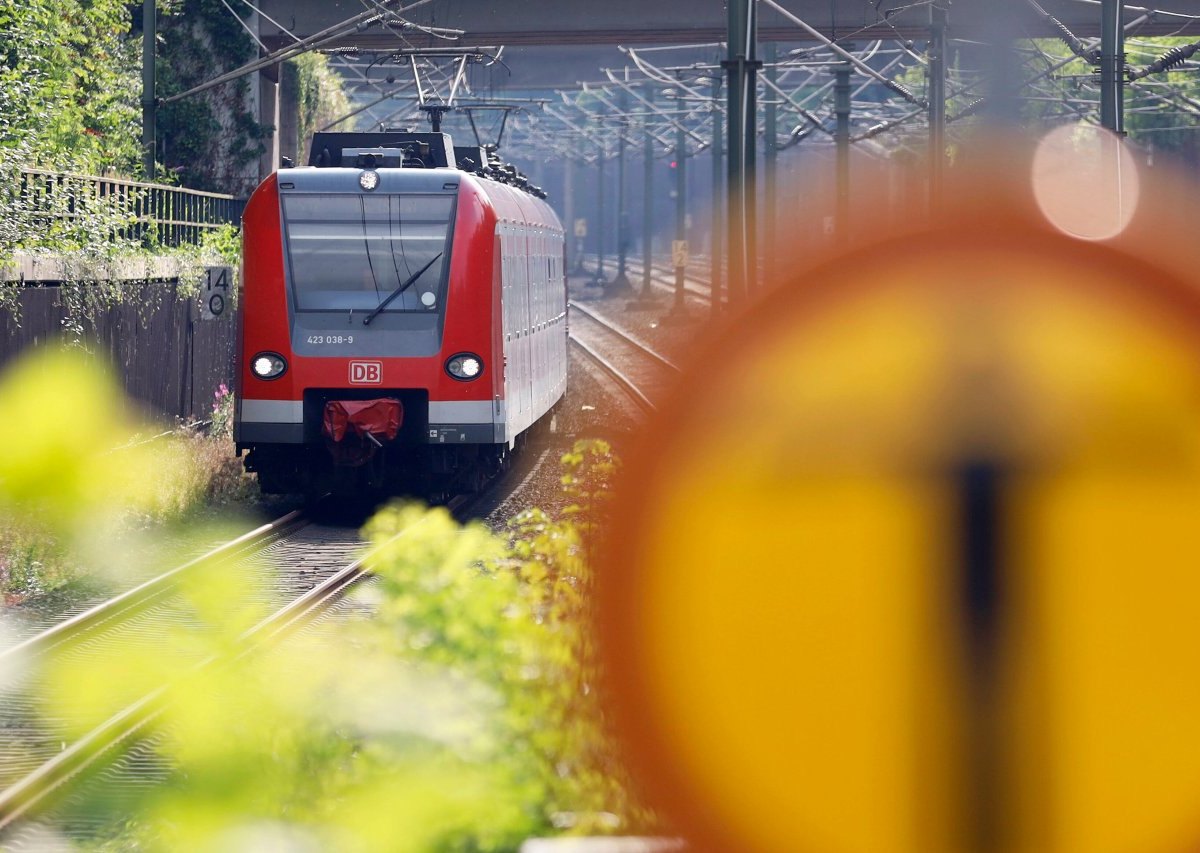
366, 372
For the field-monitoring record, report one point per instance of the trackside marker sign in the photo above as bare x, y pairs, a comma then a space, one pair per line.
366, 372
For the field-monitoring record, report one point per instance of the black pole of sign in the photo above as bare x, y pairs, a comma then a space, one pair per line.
679, 251
770, 155
620, 284
841, 97
718, 169
937, 101
981, 522
750, 150
1122, 67
599, 278
1112, 66
149, 88
741, 68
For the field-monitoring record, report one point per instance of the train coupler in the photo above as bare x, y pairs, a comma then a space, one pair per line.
355, 430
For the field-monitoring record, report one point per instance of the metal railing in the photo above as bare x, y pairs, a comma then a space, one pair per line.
152, 213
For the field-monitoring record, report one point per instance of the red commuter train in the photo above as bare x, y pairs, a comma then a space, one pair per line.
403, 311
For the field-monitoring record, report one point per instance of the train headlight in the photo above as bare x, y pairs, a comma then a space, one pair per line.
368, 180
268, 365
465, 366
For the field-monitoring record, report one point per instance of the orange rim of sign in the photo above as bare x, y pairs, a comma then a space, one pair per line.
1005, 223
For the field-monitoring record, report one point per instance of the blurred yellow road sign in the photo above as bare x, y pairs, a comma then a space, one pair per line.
912, 561
679, 253
580, 227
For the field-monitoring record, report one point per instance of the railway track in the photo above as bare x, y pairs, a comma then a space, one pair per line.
293, 568
662, 279
698, 284
640, 371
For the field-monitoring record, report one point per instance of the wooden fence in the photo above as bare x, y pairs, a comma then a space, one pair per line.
166, 356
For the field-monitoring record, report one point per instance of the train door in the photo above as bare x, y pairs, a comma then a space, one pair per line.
510, 366
539, 268
522, 269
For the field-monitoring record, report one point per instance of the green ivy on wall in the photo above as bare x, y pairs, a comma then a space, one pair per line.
320, 96
210, 141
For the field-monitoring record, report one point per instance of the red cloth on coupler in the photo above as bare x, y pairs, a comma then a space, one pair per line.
347, 424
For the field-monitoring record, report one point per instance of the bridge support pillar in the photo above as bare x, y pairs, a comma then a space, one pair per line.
290, 143
268, 115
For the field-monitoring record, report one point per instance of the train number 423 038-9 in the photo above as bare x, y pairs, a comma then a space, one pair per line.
331, 339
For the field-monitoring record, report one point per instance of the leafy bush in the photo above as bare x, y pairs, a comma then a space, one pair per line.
66, 490
69, 86
464, 716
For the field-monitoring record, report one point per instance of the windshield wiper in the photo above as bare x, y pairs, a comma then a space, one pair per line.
385, 303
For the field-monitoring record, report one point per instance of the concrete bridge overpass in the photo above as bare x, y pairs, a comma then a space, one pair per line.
588, 22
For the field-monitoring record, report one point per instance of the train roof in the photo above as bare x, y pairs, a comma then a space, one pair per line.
510, 202
414, 151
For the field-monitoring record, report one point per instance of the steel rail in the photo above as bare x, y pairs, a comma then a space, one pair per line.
663, 278
21, 797
142, 594
644, 347
614, 372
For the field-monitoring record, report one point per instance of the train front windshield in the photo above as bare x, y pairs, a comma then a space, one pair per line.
353, 252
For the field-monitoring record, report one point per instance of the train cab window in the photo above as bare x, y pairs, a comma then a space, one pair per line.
352, 252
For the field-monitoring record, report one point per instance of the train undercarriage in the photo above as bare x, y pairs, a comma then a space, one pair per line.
430, 472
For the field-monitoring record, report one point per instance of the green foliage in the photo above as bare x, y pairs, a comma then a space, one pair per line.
211, 141
68, 86
69, 102
31, 564
69, 489
321, 96
223, 244
1057, 91
66, 103
588, 474
66, 485
70, 91
463, 716
1165, 120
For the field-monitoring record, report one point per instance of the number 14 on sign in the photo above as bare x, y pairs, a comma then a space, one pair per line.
679, 253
